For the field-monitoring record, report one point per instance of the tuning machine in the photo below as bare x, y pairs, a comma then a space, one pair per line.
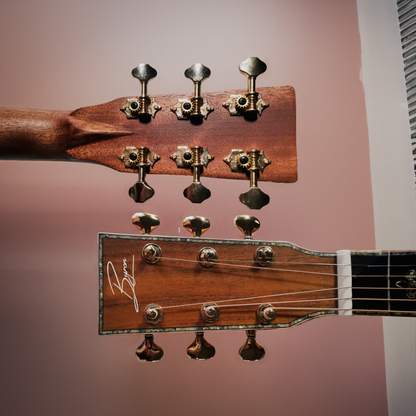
141, 158
142, 107
194, 108
253, 162
148, 351
195, 158
251, 350
200, 349
146, 223
252, 103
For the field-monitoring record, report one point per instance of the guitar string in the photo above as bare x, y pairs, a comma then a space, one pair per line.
292, 301
275, 269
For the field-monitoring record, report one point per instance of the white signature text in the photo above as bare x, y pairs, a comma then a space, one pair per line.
127, 279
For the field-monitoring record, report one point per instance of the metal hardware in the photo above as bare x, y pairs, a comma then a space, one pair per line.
145, 222
140, 158
264, 256
251, 350
196, 225
195, 158
253, 161
252, 103
210, 312
151, 253
247, 224
153, 314
200, 349
142, 107
148, 351
207, 257
194, 108
266, 314
409, 284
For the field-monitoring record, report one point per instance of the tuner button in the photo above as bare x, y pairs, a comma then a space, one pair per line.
200, 349
148, 351
247, 224
197, 72
254, 198
251, 350
144, 72
145, 222
252, 67
196, 225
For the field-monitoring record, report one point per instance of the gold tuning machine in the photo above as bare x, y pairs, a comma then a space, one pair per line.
194, 108
252, 103
141, 158
142, 107
200, 349
195, 158
247, 224
251, 350
253, 162
148, 351
145, 222
196, 225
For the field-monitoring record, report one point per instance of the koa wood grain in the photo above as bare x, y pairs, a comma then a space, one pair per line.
179, 279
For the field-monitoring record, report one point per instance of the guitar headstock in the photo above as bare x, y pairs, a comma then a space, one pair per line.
154, 284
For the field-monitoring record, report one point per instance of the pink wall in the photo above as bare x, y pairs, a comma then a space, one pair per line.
64, 55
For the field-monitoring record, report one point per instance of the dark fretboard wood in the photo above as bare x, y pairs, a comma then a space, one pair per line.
376, 280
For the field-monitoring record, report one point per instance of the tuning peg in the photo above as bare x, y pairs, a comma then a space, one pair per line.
145, 222
196, 225
253, 161
195, 158
148, 351
140, 158
251, 350
194, 108
142, 107
200, 349
247, 224
252, 103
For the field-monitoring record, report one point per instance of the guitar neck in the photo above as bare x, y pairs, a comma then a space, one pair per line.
296, 285
384, 283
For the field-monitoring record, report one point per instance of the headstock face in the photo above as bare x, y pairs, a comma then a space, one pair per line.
128, 284
274, 132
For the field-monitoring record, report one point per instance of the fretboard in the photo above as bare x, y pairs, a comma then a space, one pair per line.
384, 283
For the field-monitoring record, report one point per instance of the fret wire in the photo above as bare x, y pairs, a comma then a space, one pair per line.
388, 279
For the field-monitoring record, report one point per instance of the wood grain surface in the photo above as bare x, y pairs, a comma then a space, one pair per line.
274, 132
178, 279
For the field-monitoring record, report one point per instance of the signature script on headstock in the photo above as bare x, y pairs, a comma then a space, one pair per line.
113, 280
